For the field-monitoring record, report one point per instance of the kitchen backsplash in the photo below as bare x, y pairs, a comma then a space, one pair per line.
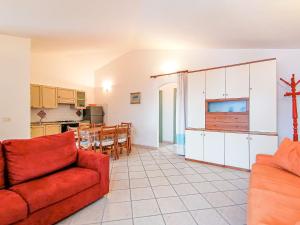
62, 112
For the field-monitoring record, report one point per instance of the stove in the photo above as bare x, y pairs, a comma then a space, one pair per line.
68, 123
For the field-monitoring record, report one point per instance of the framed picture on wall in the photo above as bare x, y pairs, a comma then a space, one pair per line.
135, 98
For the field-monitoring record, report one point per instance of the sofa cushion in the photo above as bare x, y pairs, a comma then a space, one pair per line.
274, 196
56, 187
288, 156
12, 207
1, 168
32, 158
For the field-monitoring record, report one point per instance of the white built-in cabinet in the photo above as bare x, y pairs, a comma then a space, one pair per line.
263, 103
214, 147
196, 100
237, 81
194, 144
215, 83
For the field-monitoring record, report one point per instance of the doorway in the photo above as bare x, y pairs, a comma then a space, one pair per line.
167, 113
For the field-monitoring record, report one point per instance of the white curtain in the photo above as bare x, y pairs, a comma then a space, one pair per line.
181, 112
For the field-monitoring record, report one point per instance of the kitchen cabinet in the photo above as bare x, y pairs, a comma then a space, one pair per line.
52, 129
80, 99
37, 130
214, 147
35, 96
262, 144
215, 84
263, 104
49, 97
65, 96
194, 148
196, 100
237, 81
237, 150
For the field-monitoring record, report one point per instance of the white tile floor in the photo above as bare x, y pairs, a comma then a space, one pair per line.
158, 187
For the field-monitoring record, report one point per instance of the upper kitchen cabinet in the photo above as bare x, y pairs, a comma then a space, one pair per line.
196, 100
35, 96
237, 81
215, 83
80, 99
263, 104
66, 96
49, 97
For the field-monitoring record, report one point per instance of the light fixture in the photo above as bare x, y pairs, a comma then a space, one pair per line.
106, 85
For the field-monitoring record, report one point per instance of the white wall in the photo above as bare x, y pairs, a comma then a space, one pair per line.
14, 87
168, 112
130, 73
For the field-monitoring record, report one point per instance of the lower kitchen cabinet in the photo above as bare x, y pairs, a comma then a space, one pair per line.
237, 150
262, 144
214, 147
194, 144
45, 129
52, 129
37, 131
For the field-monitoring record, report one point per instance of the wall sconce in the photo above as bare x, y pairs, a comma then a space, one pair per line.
106, 85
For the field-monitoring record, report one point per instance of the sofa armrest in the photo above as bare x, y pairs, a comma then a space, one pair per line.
98, 162
267, 160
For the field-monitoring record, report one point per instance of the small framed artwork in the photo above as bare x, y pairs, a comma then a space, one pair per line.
135, 98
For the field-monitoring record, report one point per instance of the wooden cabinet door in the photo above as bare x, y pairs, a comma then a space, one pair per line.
65, 95
80, 99
263, 102
262, 144
196, 100
237, 150
215, 84
49, 97
237, 81
194, 145
52, 129
37, 131
214, 147
35, 96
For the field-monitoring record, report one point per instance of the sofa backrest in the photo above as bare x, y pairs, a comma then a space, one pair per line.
32, 158
1, 167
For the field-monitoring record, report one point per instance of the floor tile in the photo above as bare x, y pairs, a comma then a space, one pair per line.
122, 169
119, 222
205, 187
237, 196
194, 178
166, 166
218, 199
233, 214
163, 191
118, 196
208, 217
181, 218
223, 185
171, 205
211, 176
117, 211
187, 170
136, 168
137, 183
145, 208
119, 176
150, 220
154, 173
136, 175
181, 165
171, 172
228, 175
202, 170
119, 184
157, 181
177, 179
151, 167
184, 189
193, 202
141, 193
240, 183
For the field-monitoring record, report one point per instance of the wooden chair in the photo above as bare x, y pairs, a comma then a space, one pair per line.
107, 140
98, 125
129, 133
84, 125
123, 138
82, 141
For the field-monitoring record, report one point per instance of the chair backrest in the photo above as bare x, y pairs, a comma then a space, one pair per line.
98, 124
108, 132
127, 124
75, 130
122, 130
84, 138
84, 125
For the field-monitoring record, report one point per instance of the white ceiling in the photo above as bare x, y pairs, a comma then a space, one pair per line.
122, 25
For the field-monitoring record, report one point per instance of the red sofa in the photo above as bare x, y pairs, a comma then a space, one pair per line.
45, 179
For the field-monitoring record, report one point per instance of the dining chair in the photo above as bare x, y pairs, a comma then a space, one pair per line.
84, 139
129, 133
98, 125
107, 140
84, 125
123, 138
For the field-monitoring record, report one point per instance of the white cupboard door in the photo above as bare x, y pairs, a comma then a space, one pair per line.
237, 150
215, 84
237, 81
194, 145
262, 144
196, 100
263, 105
214, 147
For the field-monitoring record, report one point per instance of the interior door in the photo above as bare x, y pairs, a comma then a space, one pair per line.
215, 84
196, 100
262, 144
237, 81
263, 104
214, 147
237, 150
194, 145
49, 97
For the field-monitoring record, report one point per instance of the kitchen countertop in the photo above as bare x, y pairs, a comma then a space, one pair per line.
53, 122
